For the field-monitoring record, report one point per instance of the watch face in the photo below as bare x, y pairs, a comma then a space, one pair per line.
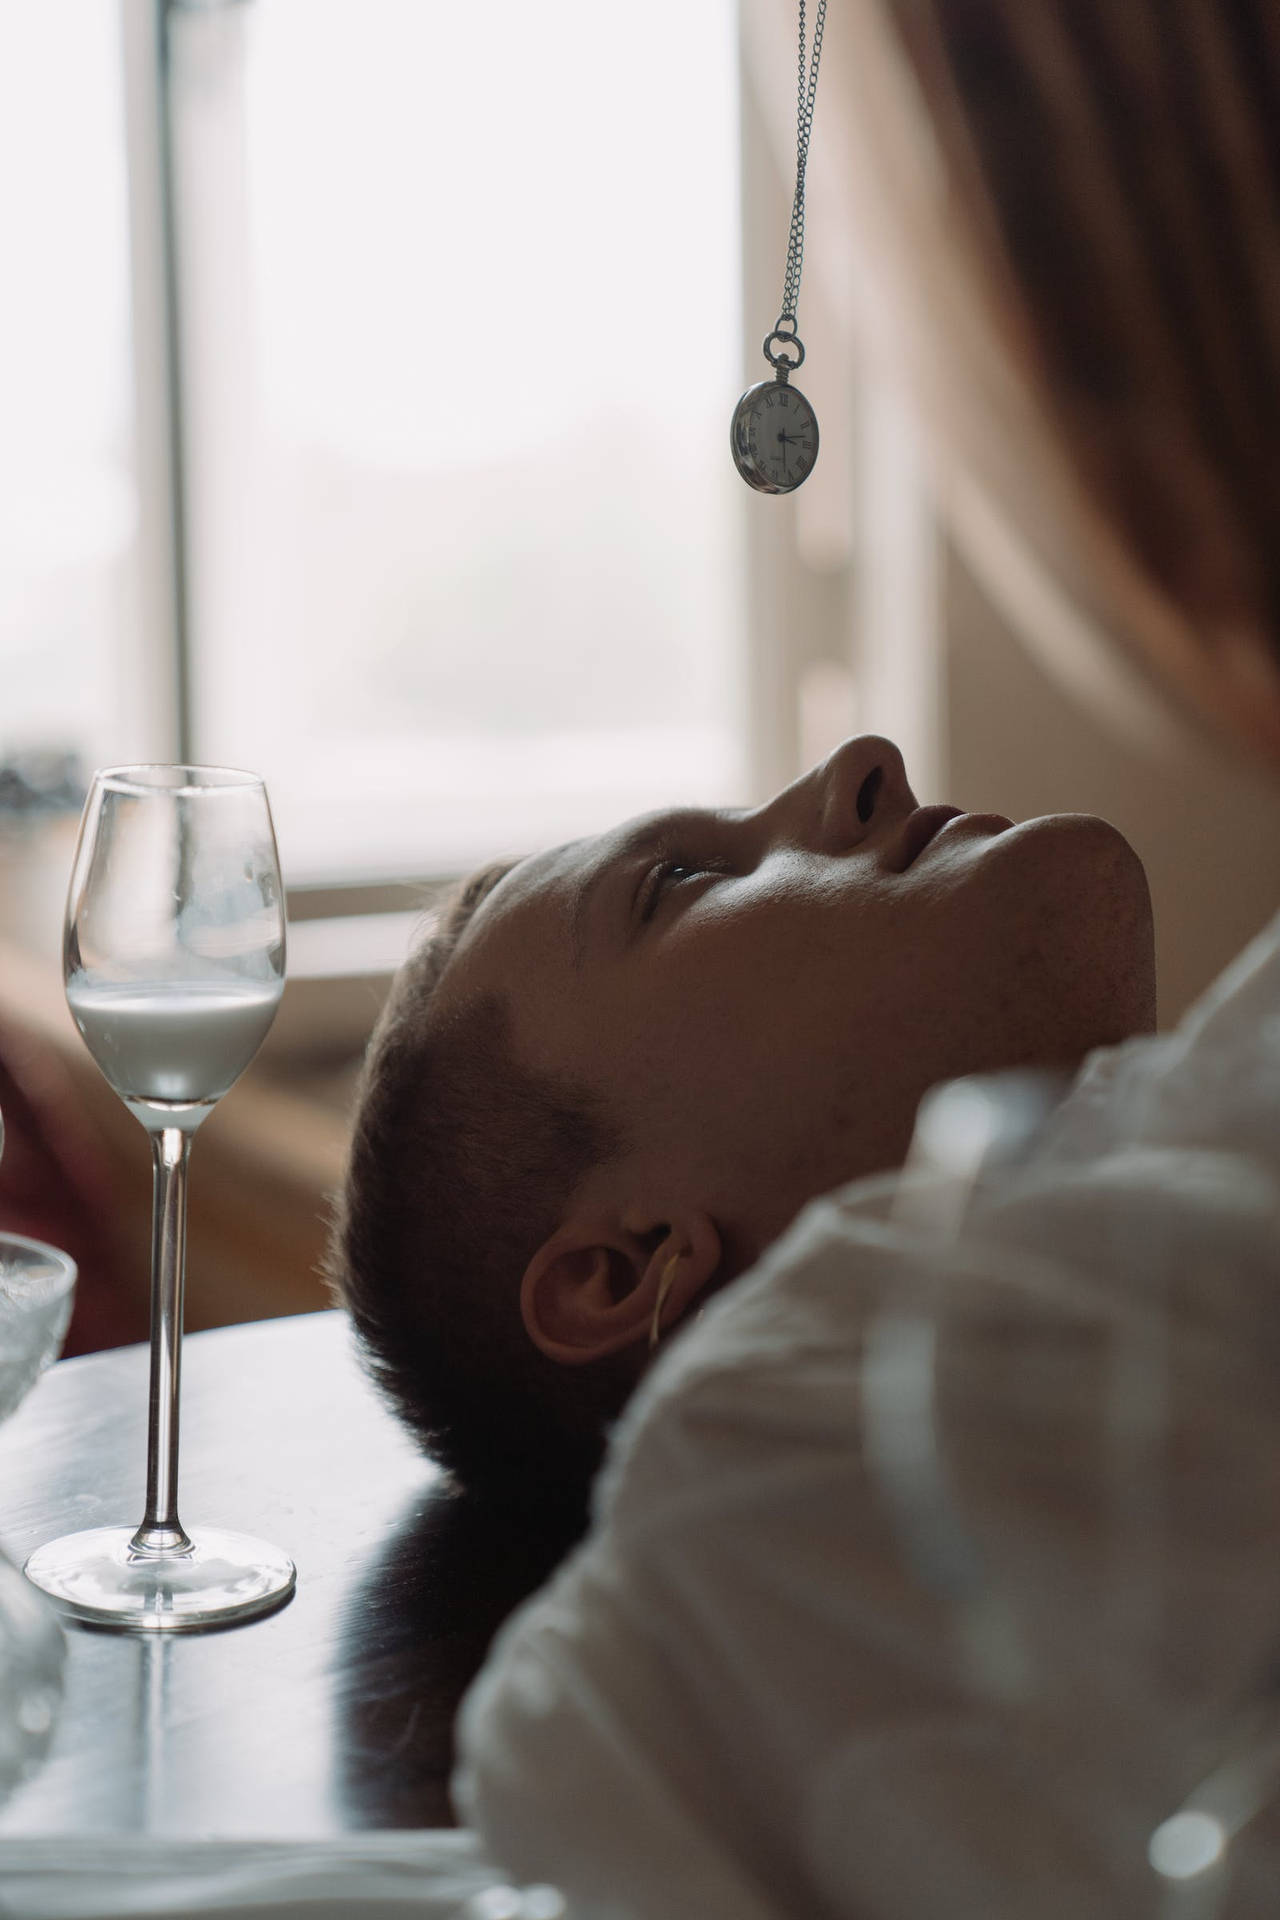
776, 437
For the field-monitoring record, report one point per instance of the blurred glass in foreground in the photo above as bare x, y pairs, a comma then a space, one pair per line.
36, 1287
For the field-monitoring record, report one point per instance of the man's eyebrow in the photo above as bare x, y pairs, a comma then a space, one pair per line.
649, 836
646, 838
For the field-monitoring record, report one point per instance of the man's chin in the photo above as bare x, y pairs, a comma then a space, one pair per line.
1101, 902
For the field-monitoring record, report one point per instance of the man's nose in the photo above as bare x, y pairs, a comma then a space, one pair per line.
848, 799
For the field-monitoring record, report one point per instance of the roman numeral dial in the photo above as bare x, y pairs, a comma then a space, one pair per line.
774, 437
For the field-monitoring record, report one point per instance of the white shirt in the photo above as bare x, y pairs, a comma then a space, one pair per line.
939, 1574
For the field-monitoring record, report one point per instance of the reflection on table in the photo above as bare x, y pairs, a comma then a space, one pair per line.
331, 1715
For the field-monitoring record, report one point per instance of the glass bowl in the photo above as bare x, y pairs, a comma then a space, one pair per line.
36, 1287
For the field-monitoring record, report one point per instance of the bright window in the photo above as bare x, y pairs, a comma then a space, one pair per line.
459, 294
68, 505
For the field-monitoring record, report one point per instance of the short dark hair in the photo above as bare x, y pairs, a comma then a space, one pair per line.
461, 1163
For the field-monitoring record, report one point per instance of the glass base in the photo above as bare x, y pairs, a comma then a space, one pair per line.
101, 1578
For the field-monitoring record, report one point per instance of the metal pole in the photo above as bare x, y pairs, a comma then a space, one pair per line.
173, 376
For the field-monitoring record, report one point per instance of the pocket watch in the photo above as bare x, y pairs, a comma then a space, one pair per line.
774, 431
773, 435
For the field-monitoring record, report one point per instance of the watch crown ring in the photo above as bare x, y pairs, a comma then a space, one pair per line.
782, 359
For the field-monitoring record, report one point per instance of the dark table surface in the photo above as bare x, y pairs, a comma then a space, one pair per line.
334, 1713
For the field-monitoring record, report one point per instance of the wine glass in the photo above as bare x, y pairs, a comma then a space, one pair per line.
174, 961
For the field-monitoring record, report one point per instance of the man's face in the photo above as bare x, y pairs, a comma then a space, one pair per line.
762, 997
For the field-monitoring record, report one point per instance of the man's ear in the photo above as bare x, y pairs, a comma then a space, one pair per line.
593, 1289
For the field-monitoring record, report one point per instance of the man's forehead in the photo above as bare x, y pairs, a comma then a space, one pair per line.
539, 907
529, 904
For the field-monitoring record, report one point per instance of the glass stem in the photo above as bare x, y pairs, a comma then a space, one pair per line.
161, 1530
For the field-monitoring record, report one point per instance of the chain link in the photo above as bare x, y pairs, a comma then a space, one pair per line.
806, 94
